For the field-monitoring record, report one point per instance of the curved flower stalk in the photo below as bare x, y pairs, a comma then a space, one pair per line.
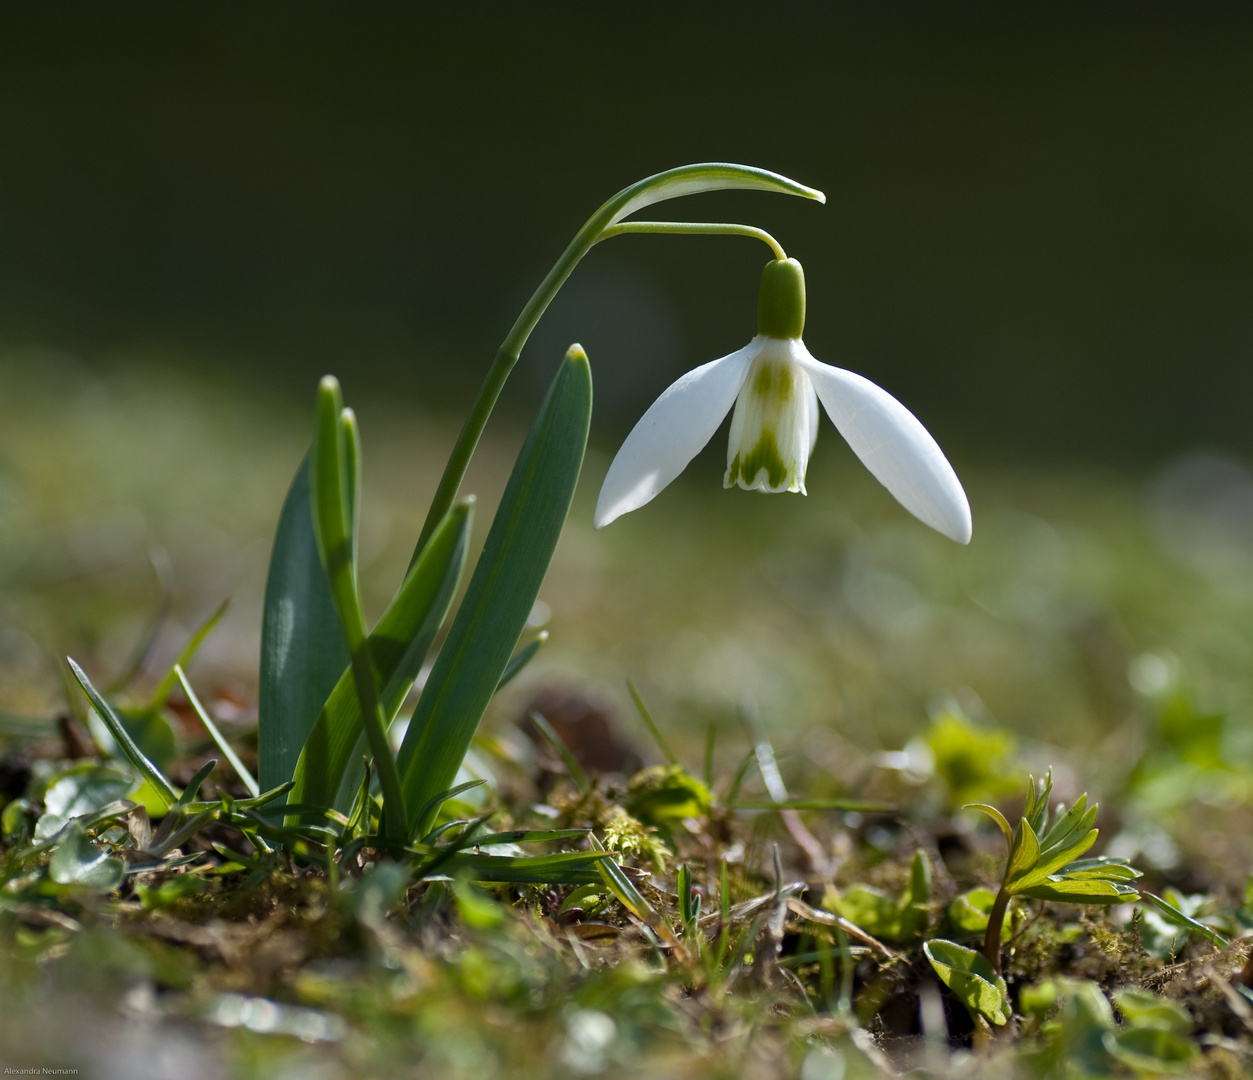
775, 385
606, 222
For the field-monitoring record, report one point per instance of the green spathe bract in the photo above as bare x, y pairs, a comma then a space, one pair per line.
502, 591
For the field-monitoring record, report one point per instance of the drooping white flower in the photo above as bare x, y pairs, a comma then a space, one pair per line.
775, 385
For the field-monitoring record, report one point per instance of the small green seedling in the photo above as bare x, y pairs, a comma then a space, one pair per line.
1044, 861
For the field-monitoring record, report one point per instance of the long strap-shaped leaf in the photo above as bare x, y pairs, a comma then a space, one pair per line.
302, 645
334, 466
398, 645
502, 591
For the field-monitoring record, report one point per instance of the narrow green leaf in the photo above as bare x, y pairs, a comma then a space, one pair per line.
1081, 891
969, 975
502, 590
302, 646
1113, 865
1038, 802
398, 646
335, 464
241, 770
1069, 823
193, 787
569, 868
654, 730
520, 836
624, 889
188, 651
564, 752
162, 787
1180, 919
1076, 871
432, 805
521, 658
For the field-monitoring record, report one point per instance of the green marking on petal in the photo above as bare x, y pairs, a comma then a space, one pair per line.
764, 457
770, 436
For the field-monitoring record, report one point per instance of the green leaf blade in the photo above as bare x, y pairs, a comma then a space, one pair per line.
969, 975
502, 590
328, 771
120, 735
303, 652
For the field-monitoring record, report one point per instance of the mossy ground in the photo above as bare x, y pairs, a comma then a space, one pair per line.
1100, 624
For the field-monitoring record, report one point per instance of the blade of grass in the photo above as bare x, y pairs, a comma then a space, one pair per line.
431, 808
658, 738
143, 645
163, 788
1180, 919
188, 651
569, 868
521, 658
564, 752
241, 770
622, 886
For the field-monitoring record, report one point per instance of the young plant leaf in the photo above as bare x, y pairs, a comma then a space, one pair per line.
1024, 853
996, 816
1081, 891
302, 645
1050, 863
77, 861
969, 975
502, 591
334, 466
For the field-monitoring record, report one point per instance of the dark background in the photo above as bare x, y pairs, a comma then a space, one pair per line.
1039, 232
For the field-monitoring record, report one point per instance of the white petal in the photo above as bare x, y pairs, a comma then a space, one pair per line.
673, 431
893, 445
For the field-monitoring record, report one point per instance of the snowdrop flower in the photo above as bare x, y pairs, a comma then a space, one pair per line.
775, 385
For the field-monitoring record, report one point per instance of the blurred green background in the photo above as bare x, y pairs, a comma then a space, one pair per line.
1039, 236
1039, 231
